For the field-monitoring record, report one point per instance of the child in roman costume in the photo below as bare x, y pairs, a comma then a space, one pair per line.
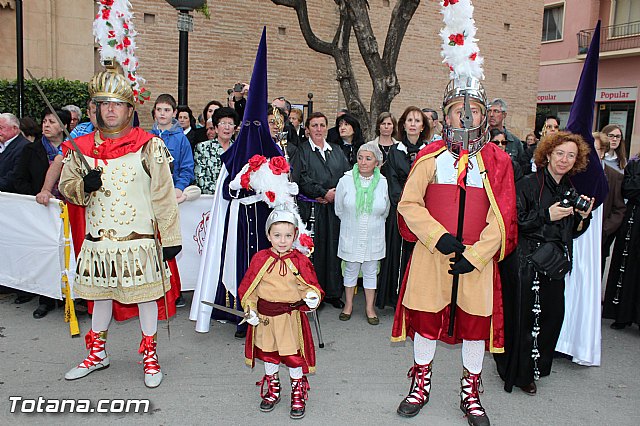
277, 289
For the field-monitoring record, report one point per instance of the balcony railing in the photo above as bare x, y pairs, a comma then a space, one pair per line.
612, 38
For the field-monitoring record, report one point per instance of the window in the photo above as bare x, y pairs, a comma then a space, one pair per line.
552, 23
626, 17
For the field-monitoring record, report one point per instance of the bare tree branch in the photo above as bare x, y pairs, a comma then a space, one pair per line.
400, 18
312, 40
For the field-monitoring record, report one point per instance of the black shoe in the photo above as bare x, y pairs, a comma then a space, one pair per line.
41, 311
24, 298
530, 389
335, 302
180, 302
407, 409
240, 334
616, 325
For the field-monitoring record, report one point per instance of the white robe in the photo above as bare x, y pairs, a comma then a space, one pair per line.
580, 336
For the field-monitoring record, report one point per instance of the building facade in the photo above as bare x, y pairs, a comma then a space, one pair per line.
567, 30
222, 50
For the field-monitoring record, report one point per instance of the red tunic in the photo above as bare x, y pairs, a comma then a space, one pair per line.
302, 268
468, 326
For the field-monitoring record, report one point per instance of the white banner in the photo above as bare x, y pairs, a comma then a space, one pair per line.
32, 241
193, 224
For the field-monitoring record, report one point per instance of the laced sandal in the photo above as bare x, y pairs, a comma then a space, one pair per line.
470, 390
271, 395
299, 394
97, 359
152, 373
419, 392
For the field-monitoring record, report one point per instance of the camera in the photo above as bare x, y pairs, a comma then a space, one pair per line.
238, 87
571, 198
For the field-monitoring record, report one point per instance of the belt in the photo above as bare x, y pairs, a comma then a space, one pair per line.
272, 309
110, 234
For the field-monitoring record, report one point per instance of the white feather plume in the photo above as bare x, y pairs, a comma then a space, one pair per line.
463, 59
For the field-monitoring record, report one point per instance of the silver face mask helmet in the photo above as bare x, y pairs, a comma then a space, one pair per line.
281, 214
466, 90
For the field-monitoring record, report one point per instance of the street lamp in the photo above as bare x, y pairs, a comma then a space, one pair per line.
185, 26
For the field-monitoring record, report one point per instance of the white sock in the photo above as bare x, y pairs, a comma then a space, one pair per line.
101, 315
473, 355
295, 373
423, 349
148, 314
270, 369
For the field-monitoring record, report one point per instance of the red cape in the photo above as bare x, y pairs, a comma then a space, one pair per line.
306, 274
501, 193
114, 148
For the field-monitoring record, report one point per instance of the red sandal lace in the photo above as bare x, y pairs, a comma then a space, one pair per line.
299, 394
420, 384
271, 395
470, 390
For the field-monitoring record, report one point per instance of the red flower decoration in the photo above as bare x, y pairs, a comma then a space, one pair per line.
448, 2
270, 195
106, 2
279, 165
244, 180
473, 56
255, 162
105, 13
456, 39
126, 41
306, 241
125, 62
111, 34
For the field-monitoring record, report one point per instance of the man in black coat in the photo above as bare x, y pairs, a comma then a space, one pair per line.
12, 142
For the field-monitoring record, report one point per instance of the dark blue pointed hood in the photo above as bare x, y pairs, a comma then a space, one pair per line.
591, 182
254, 137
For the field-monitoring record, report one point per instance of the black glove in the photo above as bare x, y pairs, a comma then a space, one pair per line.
448, 244
460, 267
92, 181
169, 253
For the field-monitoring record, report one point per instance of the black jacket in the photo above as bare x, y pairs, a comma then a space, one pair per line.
8, 160
31, 170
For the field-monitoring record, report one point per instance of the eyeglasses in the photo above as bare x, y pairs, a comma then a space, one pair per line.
562, 154
612, 136
503, 143
224, 124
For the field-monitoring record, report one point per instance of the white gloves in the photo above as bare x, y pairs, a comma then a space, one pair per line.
312, 300
253, 318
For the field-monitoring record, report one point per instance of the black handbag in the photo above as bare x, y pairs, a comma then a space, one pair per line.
551, 259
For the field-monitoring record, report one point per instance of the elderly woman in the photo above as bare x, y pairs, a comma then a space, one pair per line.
414, 131
616, 157
386, 127
317, 166
548, 221
206, 156
362, 204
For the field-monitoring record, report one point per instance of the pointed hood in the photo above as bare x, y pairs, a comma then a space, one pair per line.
254, 137
591, 182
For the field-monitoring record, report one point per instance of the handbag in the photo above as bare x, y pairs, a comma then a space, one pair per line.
551, 260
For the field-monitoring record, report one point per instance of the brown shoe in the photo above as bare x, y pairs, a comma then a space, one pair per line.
530, 389
344, 317
373, 320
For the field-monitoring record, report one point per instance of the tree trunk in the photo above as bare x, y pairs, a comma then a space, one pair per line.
354, 15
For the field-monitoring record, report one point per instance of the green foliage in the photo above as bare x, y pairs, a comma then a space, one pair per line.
60, 92
204, 9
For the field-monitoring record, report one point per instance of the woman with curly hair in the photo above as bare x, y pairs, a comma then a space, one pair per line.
547, 219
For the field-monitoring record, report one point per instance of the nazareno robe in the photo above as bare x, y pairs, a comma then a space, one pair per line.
398, 251
285, 280
428, 275
623, 283
315, 176
535, 193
